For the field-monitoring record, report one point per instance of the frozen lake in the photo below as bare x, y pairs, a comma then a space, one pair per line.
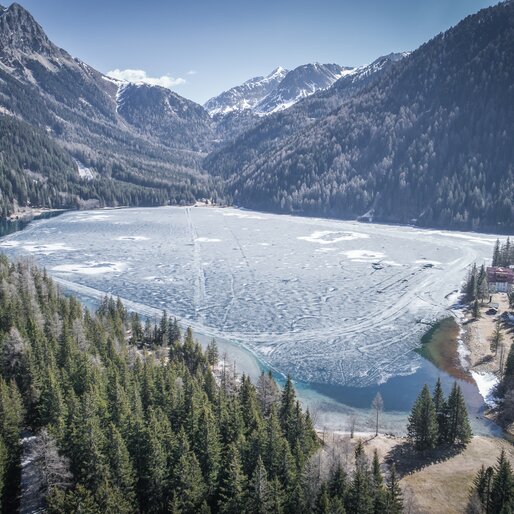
339, 305
333, 303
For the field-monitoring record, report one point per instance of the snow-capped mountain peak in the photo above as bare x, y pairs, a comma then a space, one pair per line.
245, 96
299, 83
276, 91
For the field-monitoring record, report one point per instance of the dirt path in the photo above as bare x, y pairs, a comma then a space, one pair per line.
478, 334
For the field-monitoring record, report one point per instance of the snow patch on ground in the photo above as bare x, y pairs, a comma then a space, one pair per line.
84, 172
486, 383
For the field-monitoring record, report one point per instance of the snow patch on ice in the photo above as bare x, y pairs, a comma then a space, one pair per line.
46, 248
363, 255
328, 237
207, 240
132, 238
91, 268
10, 244
325, 250
243, 215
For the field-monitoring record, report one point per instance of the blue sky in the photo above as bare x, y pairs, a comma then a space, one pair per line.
202, 47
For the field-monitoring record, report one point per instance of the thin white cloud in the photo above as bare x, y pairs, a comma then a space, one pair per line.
191, 72
140, 77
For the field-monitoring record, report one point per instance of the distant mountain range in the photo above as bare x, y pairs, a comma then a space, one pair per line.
422, 138
247, 95
277, 91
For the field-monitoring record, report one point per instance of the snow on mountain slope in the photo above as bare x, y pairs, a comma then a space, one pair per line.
299, 83
277, 91
245, 96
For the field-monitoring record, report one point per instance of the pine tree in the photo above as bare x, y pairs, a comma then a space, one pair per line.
153, 483
496, 254
287, 410
482, 487
232, 489
502, 489
322, 505
273, 445
212, 353
267, 392
189, 489
507, 382
476, 309
360, 496
471, 285
208, 448
422, 427
378, 490
458, 426
395, 496
496, 338
440, 410
120, 467
260, 492
164, 329
338, 483
482, 285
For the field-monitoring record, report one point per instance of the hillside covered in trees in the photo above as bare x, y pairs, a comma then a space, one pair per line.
128, 417
430, 142
35, 171
137, 153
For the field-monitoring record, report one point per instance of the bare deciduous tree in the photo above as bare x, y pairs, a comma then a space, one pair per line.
53, 468
378, 406
267, 392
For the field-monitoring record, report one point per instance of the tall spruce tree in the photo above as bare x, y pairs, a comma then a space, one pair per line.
395, 495
458, 429
440, 410
422, 427
233, 487
502, 489
260, 493
482, 487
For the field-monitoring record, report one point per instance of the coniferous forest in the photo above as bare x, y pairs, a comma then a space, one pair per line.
118, 416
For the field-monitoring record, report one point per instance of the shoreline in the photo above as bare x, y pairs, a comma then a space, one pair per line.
483, 364
336, 403
31, 213
28, 213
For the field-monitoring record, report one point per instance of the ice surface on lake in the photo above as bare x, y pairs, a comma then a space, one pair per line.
327, 301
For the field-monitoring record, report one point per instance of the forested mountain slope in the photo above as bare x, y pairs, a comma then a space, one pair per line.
36, 171
431, 141
278, 126
77, 107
